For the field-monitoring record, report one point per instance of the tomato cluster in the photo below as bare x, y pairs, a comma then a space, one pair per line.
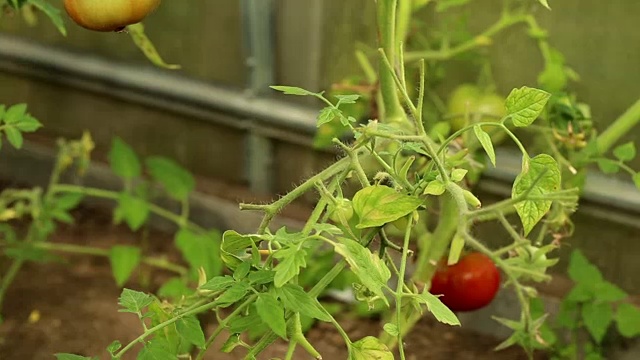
468, 285
109, 15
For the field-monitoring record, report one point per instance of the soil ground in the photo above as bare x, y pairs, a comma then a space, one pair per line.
71, 306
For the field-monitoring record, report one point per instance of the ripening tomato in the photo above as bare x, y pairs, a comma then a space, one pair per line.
469, 99
108, 15
468, 285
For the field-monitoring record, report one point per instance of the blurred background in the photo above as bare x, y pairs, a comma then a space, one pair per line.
217, 116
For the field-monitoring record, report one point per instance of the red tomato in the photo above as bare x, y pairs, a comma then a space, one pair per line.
108, 15
469, 285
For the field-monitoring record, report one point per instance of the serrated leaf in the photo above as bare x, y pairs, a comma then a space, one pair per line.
14, 136
391, 329
625, 152
261, 277
200, 251
524, 105
581, 270
218, 283
123, 160
597, 317
439, 310
297, 300
346, 99
377, 205
291, 260
232, 295
190, 330
156, 349
485, 141
435, 187
124, 259
541, 177
114, 346
233, 249
28, 124
14, 114
369, 268
628, 320
292, 90
272, 313
608, 292
133, 210
133, 301
327, 115
177, 181
369, 348
608, 166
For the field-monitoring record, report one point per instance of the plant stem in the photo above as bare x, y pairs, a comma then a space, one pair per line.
112, 195
86, 250
618, 128
392, 110
399, 289
223, 324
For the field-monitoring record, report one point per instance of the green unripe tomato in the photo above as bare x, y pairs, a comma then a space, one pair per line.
467, 100
342, 209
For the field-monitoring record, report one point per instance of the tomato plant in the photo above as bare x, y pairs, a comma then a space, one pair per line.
468, 285
399, 193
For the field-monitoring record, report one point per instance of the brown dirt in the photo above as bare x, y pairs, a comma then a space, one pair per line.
76, 300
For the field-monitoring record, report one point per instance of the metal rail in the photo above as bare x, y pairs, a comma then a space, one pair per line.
165, 90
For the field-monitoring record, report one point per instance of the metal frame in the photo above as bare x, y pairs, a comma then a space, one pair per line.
269, 118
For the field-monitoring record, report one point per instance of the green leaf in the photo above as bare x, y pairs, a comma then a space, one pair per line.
541, 177
438, 309
628, 320
581, 270
134, 301
136, 31
369, 268
608, 292
14, 136
297, 300
124, 259
72, 357
524, 105
291, 260
608, 166
234, 294
625, 152
133, 210
369, 348
272, 313
156, 349
218, 283
242, 271
458, 174
233, 249
200, 250
114, 346
597, 317
190, 330
52, 12
346, 99
28, 124
292, 90
377, 205
261, 277
15, 113
327, 115
68, 201
485, 141
391, 329
435, 187
177, 181
123, 160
